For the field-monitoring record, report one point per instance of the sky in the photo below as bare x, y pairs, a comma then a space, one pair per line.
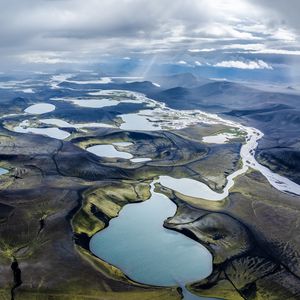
245, 35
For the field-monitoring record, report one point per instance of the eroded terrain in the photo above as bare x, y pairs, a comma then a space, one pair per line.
57, 195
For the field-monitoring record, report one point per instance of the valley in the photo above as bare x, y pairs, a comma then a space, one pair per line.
74, 170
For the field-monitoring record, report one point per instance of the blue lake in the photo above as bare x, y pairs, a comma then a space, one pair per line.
3, 171
138, 244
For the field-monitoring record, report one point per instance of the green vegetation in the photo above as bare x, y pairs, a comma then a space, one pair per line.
254, 257
252, 254
107, 199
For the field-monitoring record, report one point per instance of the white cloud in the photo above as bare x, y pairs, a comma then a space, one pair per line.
223, 31
182, 62
45, 58
248, 48
250, 64
202, 50
198, 63
276, 51
244, 46
283, 34
218, 79
256, 49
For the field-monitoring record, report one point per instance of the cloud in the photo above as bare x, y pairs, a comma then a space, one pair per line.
250, 65
45, 58
255, 47
260, 49
281, 12
202, 50
276, 51
225, 31
77, 31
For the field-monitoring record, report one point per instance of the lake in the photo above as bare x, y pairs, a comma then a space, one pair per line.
138, 244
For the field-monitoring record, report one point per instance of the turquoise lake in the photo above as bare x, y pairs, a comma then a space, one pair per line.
138, 244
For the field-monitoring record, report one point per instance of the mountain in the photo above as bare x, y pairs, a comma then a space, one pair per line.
185, 80
223, 95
